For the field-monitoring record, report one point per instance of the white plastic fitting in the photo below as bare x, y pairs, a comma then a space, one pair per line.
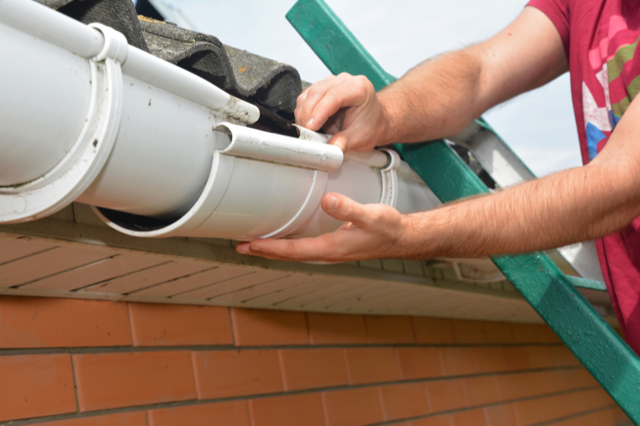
69, 178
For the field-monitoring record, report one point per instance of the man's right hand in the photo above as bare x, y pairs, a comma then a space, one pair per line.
347, 107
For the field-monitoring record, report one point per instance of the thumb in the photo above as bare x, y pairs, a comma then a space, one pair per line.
340, 140
344, 209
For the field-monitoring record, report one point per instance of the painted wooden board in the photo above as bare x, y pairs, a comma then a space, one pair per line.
89, 269
234, 284
97, 272
13, 248
319, 292
255, 292
148, 277
274, 299
195, 281
40, 265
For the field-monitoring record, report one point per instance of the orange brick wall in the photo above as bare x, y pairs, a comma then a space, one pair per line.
70, 362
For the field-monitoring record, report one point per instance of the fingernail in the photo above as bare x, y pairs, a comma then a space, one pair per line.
332, 203
309, 123
255, 248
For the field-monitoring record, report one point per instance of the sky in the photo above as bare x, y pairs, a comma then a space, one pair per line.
539, 126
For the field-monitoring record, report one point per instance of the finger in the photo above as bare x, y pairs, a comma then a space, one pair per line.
340, 140
299, 102
315, 94
345, 209
335, 123
318, 248
333, 99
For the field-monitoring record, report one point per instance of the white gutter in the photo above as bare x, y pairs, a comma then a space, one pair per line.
157, 150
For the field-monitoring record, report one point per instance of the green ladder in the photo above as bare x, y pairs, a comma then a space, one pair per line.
550, 292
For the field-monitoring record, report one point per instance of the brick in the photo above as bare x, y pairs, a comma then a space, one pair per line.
441, 420
562, 357
481, 390
353, 407
558, 406
518, 358
35, 385
445, 395
334, 329
543, 382
533, 333
604, 418
222, 374
619, 416
127, 379
34, 322
419, 362
458, 361
313, 368
294, 410
234, 413
580, 378
136, 418
528, 412
491, 359
499, 332
404, 401
585, 420
258, 327
596, 398
166, 325
383, 329
501, 415
372, 365
541, 357
469, 332
513, 386
469, 417
433, 331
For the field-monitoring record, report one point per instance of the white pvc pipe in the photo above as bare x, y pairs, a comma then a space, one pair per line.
39, 21
164, 154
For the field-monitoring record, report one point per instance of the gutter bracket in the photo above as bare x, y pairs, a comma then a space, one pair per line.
78, 169
389, 177
115, 45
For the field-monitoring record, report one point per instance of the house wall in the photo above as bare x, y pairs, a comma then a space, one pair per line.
85, 362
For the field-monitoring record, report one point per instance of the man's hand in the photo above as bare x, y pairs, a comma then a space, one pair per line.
347, 107
370, 231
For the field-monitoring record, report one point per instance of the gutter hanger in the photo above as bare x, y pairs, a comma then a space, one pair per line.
157, 150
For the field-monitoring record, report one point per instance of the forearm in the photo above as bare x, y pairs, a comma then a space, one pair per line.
575, 205
440, 97
437, 98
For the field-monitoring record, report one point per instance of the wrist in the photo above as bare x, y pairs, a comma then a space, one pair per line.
389, 123
405, 238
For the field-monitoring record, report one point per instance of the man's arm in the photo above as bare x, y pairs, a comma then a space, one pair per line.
571, 206
575, 205
441, 96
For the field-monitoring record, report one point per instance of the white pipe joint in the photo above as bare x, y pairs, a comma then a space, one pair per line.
75, 172
115, 44
250, 143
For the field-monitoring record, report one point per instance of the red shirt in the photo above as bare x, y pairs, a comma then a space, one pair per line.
600, 39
